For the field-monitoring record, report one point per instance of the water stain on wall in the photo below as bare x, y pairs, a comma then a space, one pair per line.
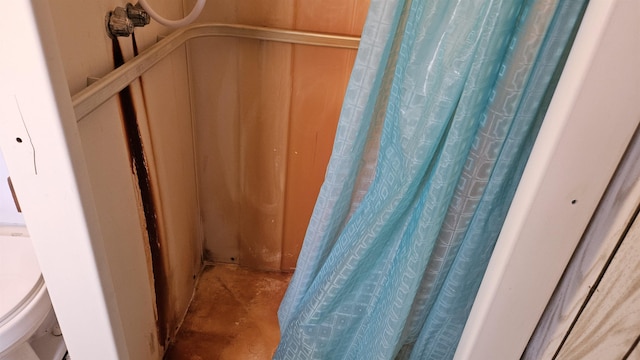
140, 170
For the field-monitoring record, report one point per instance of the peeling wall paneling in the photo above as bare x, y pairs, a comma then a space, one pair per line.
166, 127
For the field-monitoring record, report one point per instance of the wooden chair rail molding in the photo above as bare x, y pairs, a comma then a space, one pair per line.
97, 93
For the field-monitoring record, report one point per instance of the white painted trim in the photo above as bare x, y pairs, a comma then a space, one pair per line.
50, 177
590, 122
615, 213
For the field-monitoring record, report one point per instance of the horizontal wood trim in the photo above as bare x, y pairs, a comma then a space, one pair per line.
93, 96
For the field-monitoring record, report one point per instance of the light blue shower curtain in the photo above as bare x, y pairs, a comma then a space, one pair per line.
444, 103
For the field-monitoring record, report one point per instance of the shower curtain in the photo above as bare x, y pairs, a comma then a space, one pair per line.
442, 109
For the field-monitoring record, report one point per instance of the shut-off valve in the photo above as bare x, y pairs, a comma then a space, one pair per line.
121, 21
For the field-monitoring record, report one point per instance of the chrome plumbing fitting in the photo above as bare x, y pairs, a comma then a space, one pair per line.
121, 21
138, 16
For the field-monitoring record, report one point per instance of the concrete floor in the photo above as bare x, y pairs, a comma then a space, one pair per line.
232, 316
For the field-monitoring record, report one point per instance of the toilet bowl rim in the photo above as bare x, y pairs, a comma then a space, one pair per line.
25, 320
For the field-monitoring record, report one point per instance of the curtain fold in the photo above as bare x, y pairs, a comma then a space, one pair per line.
444, 103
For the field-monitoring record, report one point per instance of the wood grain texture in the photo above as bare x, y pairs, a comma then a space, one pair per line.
251, 100
86, 51
635, 354
612, 216
609, 324
162, 97
274, 13
162, 109
266, 115
320, 78
117, 201
264, 82
214, 69
331, 16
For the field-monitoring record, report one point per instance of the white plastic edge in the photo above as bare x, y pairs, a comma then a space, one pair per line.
589, 124
43, 152
193, 15
28, 318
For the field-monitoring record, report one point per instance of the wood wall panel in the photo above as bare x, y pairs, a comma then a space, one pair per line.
242, 103
86, 51
635, 353
216, 11
264, 83
345, 17
162, 98
266, 115
331, 16
320, 77
126, 247
610, 323
214, 81
273, 13
163, 111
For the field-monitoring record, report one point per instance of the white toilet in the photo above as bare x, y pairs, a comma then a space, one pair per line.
28, 326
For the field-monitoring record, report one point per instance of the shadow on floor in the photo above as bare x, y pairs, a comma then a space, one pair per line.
232, 316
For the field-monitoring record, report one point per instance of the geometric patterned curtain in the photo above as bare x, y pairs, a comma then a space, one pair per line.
443, 106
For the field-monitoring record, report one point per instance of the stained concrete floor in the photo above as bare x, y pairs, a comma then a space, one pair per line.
232, 316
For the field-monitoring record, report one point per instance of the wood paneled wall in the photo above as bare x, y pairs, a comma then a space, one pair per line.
165, 125
117, 207
167, 133
162, 107
266, 115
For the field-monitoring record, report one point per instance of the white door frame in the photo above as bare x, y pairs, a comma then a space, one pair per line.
41, 145
590, 122
598, 98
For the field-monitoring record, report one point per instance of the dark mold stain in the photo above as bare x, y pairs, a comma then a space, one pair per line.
208, 255
140, 170
135, 44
